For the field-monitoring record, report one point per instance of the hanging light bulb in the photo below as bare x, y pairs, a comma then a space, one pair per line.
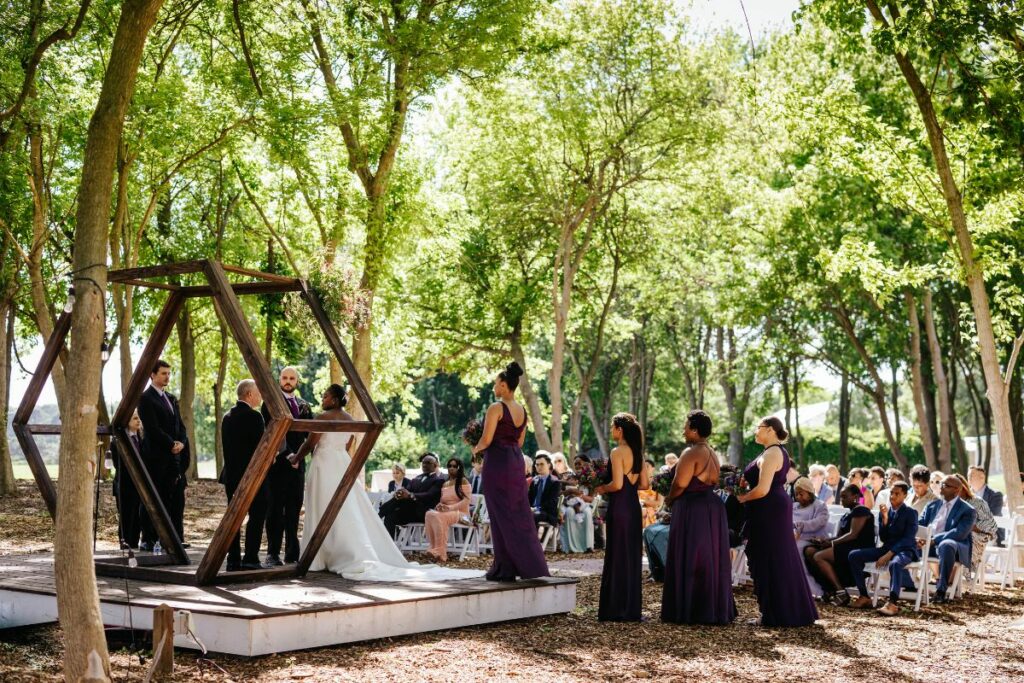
70, 303
105, 349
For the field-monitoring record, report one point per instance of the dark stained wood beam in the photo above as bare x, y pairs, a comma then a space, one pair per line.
101, 430
38, 467
272, 277
242, 288
47, 360
150, 284
164, 270
248, 487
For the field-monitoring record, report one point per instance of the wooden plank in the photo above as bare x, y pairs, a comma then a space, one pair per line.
47, 360
35, 463
272, 277
234, 316
163, 642
156, 271
150, 284
331, 426
131, 459
252, 479
334, 341
153, 574
101, 430
354, 470
251, 575
243, 288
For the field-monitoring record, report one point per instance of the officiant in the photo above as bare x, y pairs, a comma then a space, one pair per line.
285, 482
241, 431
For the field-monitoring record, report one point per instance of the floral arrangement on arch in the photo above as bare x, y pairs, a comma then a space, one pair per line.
337, 285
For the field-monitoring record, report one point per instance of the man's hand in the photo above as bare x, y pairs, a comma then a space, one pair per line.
883, 560
883, 513
920, 543
177, 447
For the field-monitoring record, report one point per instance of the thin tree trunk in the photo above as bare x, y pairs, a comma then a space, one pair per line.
7, 313
844, 424
896, 403
998, 393
1017, 414
917, 383
801, 458
218, 396
531, 399
78, 605
187, 400
941, 385
268, 337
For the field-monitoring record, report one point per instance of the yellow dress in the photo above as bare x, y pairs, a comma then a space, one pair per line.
649, 514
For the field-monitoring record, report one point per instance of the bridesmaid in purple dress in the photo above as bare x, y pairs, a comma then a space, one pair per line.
698, 572
775, 565
622, 575
517, 550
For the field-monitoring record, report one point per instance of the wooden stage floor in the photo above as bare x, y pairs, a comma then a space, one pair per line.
263, 617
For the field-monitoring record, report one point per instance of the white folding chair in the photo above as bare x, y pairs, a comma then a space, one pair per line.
997, 562
464, 535
920, 573
833, 523
375, 498
740, 571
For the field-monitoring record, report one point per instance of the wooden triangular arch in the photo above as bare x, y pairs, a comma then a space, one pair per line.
169, 568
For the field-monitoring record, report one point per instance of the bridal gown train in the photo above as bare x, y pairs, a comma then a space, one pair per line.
358, 546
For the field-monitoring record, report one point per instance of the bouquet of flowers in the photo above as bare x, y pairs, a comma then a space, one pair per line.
730, 479
662, 483
593, 474
473, 431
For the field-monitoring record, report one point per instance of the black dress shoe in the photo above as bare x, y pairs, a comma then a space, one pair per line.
940, 598
251, 565
234, 567
274, 561
186, 545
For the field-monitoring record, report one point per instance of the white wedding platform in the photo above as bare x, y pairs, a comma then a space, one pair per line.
260, 618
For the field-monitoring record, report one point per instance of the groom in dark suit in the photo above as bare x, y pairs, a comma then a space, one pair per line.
241, 431
166, 450
286, 483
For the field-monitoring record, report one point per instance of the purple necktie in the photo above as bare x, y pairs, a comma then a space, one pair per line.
170, 407
294, 405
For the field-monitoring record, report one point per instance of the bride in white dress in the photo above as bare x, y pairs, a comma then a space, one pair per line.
357, 546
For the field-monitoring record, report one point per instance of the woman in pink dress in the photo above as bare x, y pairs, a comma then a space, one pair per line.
455, 497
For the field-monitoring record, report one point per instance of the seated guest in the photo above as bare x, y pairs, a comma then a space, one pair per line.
952, 521
835, 480
736, 515
559, 465
898, 532
398, 478
650, 500
528, 465
544, 492
577, 530
822, 491
857, 477
919, 479
476, 479
994, 499
810, 520
985, 526
876, 484
893, 475
656, 544
454, 504
670, 461
411, 503
935, 483
828, 559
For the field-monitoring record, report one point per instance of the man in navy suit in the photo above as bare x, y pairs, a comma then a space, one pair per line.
951, 520
994, 499
166, 450
544, 492
898, 532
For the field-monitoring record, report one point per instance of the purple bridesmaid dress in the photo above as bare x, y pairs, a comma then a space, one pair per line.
775, 563
698, 572
622, 575
517, 550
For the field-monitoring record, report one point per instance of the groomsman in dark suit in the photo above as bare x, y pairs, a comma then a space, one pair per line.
544, 492
241, 431
129, 504
166, 451
286, 483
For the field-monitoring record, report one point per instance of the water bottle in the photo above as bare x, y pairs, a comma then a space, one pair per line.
158, 549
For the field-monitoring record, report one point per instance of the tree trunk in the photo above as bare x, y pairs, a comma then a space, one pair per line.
801, 458
1017, 415
917, 383
268, 337
531, 399
974, 275
187, 400
7, 313
941, 385
896, 403
218, 396
78, 606
844, 424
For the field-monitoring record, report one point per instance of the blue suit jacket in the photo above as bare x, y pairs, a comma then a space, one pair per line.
994, 499
900, 534
959, 524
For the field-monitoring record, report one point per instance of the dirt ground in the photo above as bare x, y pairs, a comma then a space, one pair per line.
965, 641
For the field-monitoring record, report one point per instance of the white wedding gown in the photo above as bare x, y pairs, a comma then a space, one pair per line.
358, 546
